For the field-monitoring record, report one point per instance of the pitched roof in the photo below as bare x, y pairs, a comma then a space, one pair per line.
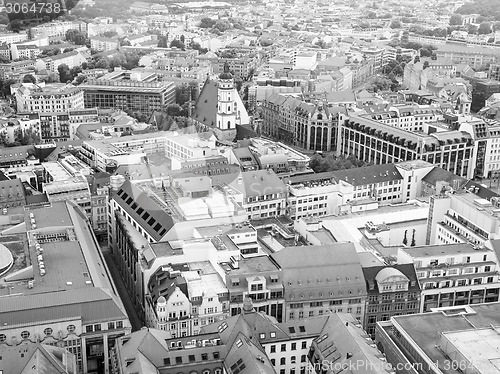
205, 109
144, 210
368, 174
91, 304
438, 174
259, 183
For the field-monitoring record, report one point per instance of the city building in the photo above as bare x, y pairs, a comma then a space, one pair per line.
37, 358
104, 44
64, 295
54, 98
252, 342
183, 298
306, 125
128, 94
321, 279
453, 274
392, 291
446, 340
373, 141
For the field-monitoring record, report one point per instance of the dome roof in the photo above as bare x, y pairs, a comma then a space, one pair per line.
226, 74
387, 273
6, 258
161, 301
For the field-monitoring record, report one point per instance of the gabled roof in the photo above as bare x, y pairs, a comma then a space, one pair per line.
205, 109
144, 210
438, 174
259, 183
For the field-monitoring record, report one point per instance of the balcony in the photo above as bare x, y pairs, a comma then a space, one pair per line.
467, 226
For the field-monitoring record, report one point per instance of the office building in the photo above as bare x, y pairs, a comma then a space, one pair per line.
64, 296
321, 279
453, 274
450, 340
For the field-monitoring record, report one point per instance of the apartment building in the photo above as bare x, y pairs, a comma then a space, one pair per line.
24, 51
263, 193
13, 37
453, 274
104, 44
251, 342
16, 69
392, 291
66, 298
257, 278
472, 55
52, 63
181, 300
56, 29
51, 98
322, 279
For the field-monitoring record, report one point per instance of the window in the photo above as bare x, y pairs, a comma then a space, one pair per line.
273, 362
216, 355
3, 338
111, 325
303, 358
97, 327
283, 347
304, 345
282, 361
204, 357
262, 336
119, 325
273, 348
294, 346
89, 328
48, 331
25, 334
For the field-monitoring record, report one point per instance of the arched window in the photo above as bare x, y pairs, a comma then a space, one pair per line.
228, 124
48, 331
25, 334
3, 338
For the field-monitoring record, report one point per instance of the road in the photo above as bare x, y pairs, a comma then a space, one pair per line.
135, 321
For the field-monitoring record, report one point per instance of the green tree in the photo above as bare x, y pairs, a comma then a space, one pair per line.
6, 86
456, 20
413, 239
395, 24
426, 64
102, 64
484, 28
472, 29
64, 73
206, 23
29, 78
177, 44
405, 240
80, 79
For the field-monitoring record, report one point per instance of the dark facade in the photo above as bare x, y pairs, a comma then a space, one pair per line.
392, 291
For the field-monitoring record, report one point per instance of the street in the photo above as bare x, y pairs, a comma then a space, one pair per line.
135, 321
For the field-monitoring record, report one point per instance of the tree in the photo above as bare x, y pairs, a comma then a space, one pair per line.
496, 26
109, 34
472, 29
405, 240
174, 110
413, 239
177, 44
80, 79
456, 20
206, 23
29, 78
6, 86
64, 73
395, 24
417, 59
426, 64
484, 28
102, 64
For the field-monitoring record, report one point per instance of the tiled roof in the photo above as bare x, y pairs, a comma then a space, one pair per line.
438, 174
368, 174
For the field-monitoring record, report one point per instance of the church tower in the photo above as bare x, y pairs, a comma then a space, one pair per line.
227, 109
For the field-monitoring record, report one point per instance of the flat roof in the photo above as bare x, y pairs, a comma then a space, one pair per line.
252, 265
